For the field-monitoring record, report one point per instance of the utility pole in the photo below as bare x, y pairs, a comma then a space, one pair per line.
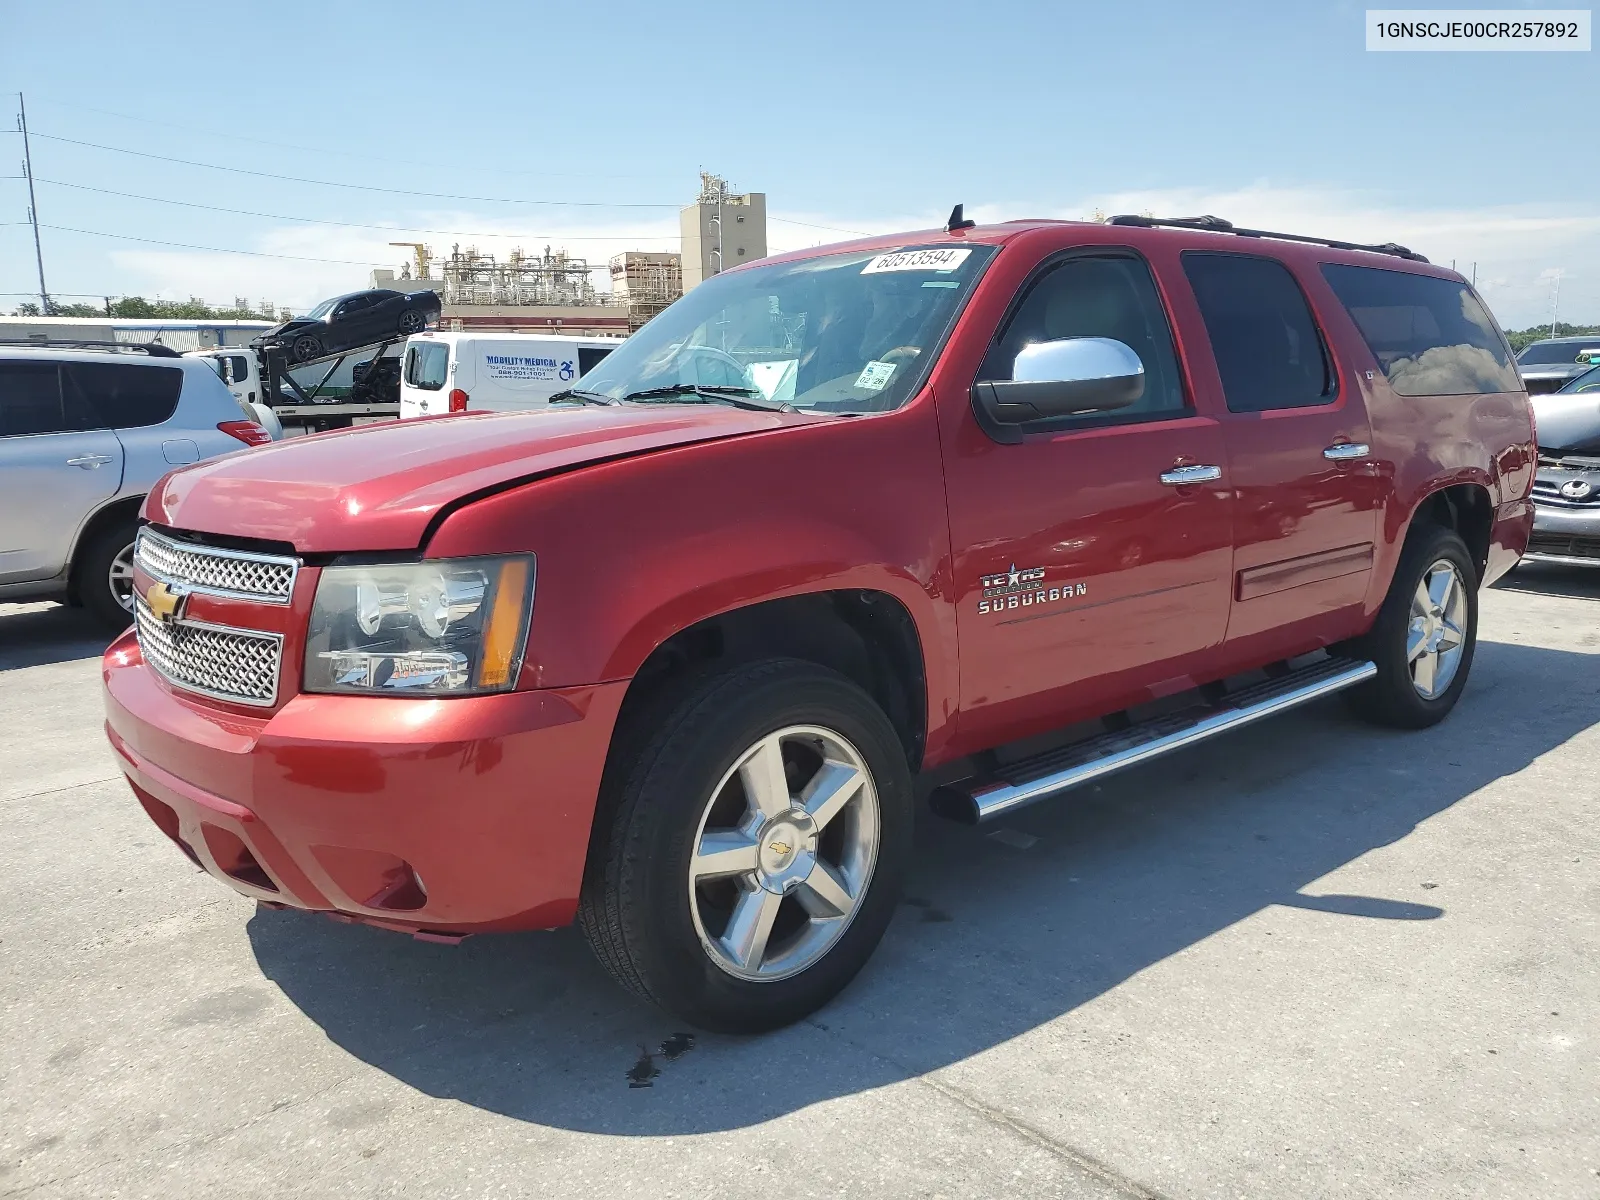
33, 205
1555, 305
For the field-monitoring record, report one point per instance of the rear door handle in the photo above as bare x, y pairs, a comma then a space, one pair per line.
1346, 451
89, 461
1179, 476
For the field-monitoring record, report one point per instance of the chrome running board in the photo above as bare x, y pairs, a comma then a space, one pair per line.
1042, 776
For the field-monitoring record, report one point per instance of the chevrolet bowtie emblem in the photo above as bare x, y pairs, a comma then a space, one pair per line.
779, 848
165, 603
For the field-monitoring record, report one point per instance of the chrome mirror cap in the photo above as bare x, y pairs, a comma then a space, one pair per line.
1078, 360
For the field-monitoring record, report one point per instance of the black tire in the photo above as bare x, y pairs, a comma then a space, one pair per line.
411, 321
666, 764
92, 575
304, 348
1391, 698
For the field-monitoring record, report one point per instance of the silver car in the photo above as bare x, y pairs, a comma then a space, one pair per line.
1548, 365
85, 432
1566, 491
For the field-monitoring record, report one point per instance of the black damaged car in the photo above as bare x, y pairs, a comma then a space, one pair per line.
357, 319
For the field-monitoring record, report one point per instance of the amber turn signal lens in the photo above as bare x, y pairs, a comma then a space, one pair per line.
505, 625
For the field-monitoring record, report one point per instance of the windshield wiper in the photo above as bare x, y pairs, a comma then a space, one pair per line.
582, 396
739, 397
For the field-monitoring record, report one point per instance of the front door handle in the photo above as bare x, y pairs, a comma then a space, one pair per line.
89, 461
1181, 476
1346, 451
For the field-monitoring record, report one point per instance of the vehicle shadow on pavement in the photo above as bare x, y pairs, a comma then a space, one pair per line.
996, 938
33, 635
1552, 579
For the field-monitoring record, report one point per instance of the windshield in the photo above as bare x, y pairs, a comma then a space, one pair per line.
1548, 353
839, 333
324, 308
1589, 381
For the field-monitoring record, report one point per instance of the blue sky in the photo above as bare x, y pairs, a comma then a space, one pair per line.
855, 116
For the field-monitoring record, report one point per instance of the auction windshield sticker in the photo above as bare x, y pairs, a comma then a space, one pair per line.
1530, 29
917, 260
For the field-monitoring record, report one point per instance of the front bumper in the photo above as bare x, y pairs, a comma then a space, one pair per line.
1565, 535
444, 817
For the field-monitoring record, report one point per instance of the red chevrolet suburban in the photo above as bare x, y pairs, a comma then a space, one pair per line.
668, 657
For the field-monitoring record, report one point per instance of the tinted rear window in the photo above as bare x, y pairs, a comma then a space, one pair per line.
1432, 337
1549, 354
30, 399
33, 400
123, 396
1268, 349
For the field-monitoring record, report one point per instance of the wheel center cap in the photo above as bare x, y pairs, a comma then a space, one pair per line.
787, 851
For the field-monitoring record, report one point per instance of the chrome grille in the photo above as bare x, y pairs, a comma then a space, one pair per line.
236, 574
239, 665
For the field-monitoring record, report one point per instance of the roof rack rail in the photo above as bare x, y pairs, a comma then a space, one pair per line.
1210, 224
153, 349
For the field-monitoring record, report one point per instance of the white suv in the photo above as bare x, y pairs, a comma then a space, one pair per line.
85, 431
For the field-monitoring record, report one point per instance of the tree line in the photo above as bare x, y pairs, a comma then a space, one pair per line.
192, 309
1522, 338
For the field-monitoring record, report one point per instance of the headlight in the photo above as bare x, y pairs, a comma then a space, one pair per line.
451, 627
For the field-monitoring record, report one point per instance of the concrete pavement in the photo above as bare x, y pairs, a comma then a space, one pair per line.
1310, 959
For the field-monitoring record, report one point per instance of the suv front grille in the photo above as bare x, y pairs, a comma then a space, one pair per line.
236, 574
1549, 492
239, 665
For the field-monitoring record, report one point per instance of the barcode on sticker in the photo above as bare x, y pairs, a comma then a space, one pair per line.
917, 260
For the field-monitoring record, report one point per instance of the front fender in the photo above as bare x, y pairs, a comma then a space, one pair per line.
633, 551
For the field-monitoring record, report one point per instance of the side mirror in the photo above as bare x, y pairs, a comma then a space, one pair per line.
1069, 377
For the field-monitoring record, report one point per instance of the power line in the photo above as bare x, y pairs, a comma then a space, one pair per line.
123, 237
396, 191
236, 137
360, 187
245, 212
809, 225
314, 149
531, 237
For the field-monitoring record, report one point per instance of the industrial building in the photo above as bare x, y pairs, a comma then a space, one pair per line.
721, 229
553, 292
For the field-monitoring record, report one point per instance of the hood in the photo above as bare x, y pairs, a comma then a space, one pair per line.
286, 327
1568, 424
377, 487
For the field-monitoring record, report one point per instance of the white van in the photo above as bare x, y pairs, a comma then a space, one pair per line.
497, 372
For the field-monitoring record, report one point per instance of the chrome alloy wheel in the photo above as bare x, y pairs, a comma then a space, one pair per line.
120, 577
784, 853
1438, 631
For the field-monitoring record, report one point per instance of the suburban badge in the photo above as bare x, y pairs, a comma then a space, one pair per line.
1023, 589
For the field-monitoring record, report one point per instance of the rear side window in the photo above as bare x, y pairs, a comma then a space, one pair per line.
121, 395
426, 365
590, 356
1266, 342
1432, 337
34, 400
30, 399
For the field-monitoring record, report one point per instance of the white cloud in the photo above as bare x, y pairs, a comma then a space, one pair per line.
1517, 249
